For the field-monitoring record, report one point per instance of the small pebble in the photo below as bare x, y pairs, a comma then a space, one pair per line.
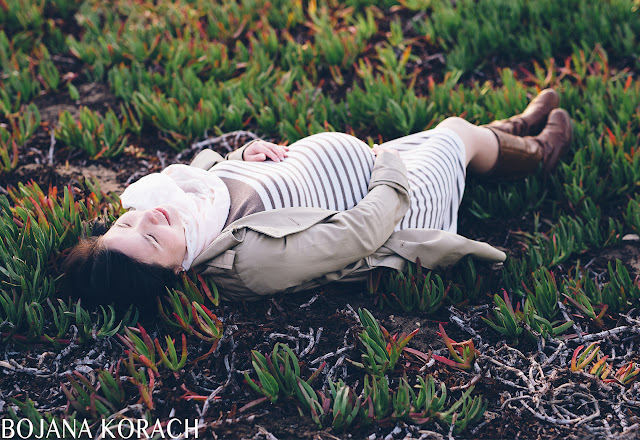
84, 369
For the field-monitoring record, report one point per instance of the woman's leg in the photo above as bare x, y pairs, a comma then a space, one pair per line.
518, 155
494, 152
507, 148
481, 145
437, 160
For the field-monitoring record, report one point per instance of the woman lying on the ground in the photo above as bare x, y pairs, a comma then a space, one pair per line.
327, 208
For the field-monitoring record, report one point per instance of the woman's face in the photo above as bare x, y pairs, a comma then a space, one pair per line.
154, 236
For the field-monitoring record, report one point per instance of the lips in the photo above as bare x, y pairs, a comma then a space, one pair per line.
165, 214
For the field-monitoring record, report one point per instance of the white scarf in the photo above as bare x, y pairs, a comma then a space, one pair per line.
201, 198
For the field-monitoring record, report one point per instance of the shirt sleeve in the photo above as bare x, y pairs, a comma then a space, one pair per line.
206, 159
238, 154
268, 265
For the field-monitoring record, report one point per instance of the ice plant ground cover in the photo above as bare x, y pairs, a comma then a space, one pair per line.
94, 95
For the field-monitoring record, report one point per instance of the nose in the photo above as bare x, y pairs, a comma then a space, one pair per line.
151, 216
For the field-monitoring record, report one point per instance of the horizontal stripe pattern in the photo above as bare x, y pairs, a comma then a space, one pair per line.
332, 171
325, 170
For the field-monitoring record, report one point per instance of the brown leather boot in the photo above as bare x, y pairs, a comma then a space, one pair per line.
520, 156
532, 119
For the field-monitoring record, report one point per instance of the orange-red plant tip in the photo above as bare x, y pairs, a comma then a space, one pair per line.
444, 360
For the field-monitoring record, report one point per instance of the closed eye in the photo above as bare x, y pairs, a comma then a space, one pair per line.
154, 238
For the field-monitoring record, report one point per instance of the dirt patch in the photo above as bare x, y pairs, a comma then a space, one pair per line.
108, 178
51, 113
95, 96
46, 175
628, 253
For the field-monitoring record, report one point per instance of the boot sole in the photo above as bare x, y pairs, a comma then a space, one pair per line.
559, 152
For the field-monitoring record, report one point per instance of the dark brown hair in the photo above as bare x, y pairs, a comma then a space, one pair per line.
100, 275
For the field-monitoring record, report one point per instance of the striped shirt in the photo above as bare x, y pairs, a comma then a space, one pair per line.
332, 171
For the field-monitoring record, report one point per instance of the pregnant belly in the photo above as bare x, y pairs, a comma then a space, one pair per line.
325, 170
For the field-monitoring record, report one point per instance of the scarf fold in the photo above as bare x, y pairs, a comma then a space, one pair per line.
200, 197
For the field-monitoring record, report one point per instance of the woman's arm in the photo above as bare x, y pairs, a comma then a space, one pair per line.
268, 265
259, 150
256, 150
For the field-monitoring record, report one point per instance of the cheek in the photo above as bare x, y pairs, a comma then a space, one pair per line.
179, 241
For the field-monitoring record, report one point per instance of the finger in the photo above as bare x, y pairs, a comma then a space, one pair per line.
255, 157
251, 150
275, 149
279, 151
285, 150
270, 154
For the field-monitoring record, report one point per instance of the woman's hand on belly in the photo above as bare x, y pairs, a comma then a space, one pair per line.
260, 150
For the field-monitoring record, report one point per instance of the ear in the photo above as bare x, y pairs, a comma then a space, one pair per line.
178, 270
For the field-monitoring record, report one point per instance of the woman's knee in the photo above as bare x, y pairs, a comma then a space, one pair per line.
467, 132
454, 123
